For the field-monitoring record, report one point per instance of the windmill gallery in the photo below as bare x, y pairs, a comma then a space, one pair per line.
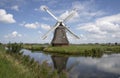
59, 37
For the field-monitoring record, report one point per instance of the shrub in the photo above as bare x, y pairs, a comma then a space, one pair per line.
14, 47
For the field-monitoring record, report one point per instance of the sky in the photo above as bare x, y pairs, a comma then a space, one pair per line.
95, 21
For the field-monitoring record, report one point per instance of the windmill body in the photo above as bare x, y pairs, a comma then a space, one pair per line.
59, 37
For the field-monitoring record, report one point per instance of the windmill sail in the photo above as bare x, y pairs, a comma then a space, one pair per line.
72, 33
52, 29
46, 9
71, 14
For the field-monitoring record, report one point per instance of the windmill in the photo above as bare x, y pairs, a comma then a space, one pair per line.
59, 37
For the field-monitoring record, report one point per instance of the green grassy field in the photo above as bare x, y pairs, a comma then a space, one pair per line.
81, 49
86, 49
33, 46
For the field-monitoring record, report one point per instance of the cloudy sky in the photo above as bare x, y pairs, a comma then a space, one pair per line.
96, 21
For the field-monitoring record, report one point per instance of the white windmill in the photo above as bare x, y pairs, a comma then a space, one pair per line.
60, 29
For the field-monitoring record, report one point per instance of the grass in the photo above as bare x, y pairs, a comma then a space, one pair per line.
83, 49
15, 65
10, 67
33, 47
94, 50
86, 49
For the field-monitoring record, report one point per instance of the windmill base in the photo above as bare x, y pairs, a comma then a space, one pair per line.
66, 44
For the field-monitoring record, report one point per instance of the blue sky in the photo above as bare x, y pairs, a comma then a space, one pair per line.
96, 21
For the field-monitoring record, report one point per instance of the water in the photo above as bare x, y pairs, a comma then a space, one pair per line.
107, 66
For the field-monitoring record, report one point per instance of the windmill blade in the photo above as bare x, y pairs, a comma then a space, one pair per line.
71, 14
53, 28
46, 9
71, 33
68, 17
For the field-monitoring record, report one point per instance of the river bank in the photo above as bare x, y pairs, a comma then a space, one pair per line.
16, 65
42, 70
12, 68
76, 49
80, 65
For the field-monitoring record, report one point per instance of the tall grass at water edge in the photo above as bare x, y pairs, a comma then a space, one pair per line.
35, 70
9, 68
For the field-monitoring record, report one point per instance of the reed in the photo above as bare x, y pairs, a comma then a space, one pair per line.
9, 67
38, 70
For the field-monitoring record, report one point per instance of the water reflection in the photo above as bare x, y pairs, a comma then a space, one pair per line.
107, 66
38, 56
59, 62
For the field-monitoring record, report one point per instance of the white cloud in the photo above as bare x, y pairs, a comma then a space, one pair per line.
91, 28
14, 34
85, 11
96, 36
73, 14
32, 25
15, 7
35, 25
45, 26
107, 27
41, 8
109, 23
105, 24
6, 18
92, 14
62, 16
116, 35
39, 32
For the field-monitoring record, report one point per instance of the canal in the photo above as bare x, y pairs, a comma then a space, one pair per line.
106, 66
